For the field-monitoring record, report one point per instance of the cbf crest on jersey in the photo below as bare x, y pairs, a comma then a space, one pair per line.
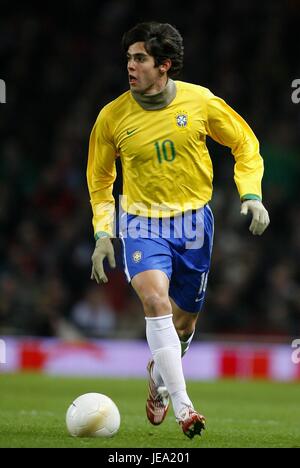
182, 119
137, 256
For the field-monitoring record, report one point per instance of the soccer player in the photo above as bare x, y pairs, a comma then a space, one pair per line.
158, 128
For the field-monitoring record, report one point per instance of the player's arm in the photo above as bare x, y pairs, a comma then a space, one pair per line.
101, 174
228, 128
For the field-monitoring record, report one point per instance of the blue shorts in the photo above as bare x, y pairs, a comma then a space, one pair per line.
180, 246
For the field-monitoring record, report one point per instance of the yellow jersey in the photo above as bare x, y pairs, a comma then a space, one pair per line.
165, 162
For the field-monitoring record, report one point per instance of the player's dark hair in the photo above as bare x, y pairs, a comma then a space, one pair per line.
162, 41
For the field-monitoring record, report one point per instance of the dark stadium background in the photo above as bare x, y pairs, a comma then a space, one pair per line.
61, 63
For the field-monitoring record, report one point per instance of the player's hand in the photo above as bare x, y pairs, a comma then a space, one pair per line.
260, 216
104, 248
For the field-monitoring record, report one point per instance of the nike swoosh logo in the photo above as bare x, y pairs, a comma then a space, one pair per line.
129, 132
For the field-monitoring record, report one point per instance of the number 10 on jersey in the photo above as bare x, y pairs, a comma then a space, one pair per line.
165, 151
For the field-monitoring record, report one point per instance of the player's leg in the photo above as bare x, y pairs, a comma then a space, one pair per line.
140, 256
148, 266
152, 288
185, 323
187, 290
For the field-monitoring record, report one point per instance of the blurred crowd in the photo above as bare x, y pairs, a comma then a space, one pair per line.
61, 65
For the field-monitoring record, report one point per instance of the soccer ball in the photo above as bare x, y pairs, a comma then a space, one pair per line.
93, 415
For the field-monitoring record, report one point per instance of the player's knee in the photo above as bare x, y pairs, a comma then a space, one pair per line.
155, 305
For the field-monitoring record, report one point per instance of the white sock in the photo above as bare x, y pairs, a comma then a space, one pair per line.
165, 347
184, 347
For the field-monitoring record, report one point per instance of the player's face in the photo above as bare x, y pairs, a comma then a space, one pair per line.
143, 76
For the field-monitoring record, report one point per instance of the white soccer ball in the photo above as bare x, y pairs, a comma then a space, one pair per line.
93, 415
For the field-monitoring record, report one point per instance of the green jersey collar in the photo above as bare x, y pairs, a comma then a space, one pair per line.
159, 100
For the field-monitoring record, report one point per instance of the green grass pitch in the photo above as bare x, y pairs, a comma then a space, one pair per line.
239, 413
